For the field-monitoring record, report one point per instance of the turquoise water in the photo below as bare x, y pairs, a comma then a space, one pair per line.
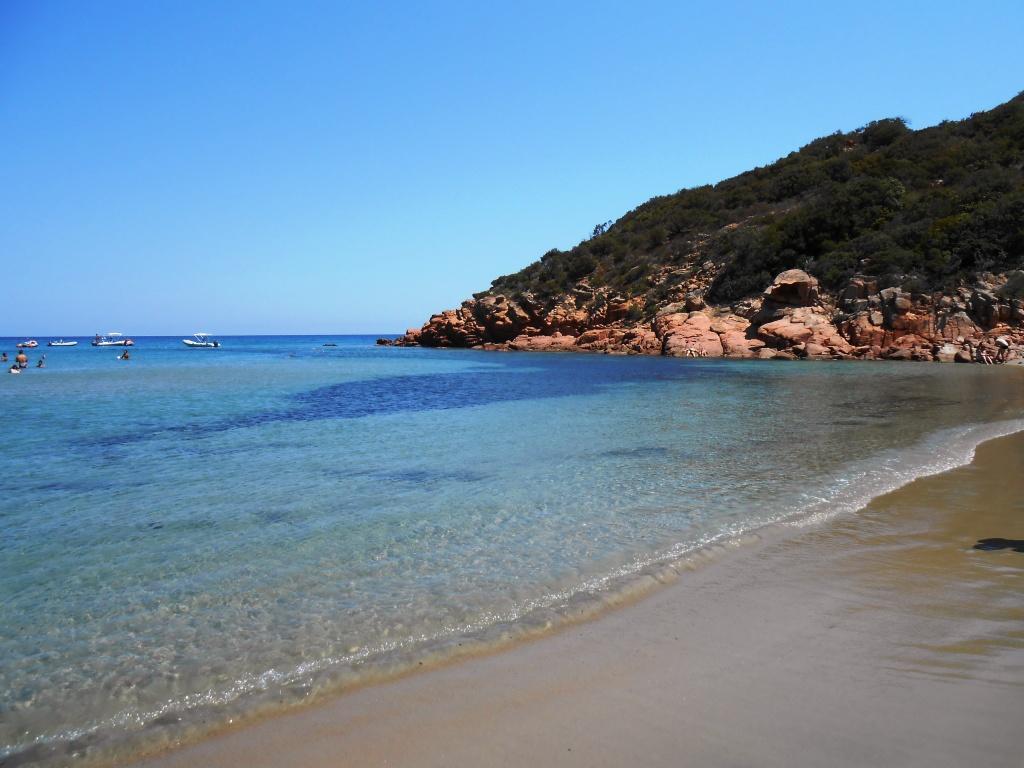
193, 534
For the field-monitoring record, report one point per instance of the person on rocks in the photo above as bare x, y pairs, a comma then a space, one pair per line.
982, 355
1002, 349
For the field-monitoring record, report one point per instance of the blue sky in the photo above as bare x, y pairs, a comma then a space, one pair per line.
340, 167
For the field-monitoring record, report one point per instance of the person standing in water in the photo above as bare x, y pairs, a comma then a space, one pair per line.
21, 359
124, 356
3, 358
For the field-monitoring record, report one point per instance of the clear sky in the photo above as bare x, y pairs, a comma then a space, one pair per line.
341, 167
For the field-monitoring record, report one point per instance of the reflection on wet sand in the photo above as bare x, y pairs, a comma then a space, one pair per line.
945, 552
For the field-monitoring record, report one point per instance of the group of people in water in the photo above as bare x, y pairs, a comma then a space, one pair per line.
21, 360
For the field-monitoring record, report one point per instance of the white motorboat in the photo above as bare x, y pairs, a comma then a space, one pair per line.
30, 344
61, 343
200, 340
112, 339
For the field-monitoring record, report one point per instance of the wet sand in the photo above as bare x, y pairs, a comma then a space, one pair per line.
880, 638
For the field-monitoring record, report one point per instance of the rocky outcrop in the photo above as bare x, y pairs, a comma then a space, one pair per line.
687, 334
794, 288
557, 342
565, 318
734, 333
792, 319
499, 318
809, 330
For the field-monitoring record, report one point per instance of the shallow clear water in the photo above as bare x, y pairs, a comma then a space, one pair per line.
194, 531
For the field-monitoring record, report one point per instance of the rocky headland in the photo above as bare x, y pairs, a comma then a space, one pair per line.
879, 243
792, 319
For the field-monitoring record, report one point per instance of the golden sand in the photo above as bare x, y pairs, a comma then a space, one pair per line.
945, 549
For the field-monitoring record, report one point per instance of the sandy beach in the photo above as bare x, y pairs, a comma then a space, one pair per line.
880, 638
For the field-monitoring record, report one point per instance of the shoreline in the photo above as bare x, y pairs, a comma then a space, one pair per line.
490, 668
558, 344
556, 348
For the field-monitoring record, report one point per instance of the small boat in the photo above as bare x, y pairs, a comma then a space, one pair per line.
330, 344
30, 344
62, 343
201, 340
112, 339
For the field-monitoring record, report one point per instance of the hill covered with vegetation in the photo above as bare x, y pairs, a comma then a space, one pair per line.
926, 210
880, 243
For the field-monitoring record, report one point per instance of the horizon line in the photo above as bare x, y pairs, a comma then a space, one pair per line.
176, 335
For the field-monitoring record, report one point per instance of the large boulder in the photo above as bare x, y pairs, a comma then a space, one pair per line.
451, 328
638, 340
902, 315
784, 333
686, 334
642, 341
597, 336
616, 309
855, 296
734, 333
601, 339
864, 329
958, 325
804, 325
566, 317
411, 338
793, 288
989, 308
500, 317
554, 343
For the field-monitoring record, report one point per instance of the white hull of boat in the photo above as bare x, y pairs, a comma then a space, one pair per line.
127, 343
62, 343
206, 344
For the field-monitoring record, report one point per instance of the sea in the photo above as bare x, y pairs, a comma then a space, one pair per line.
195, 536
